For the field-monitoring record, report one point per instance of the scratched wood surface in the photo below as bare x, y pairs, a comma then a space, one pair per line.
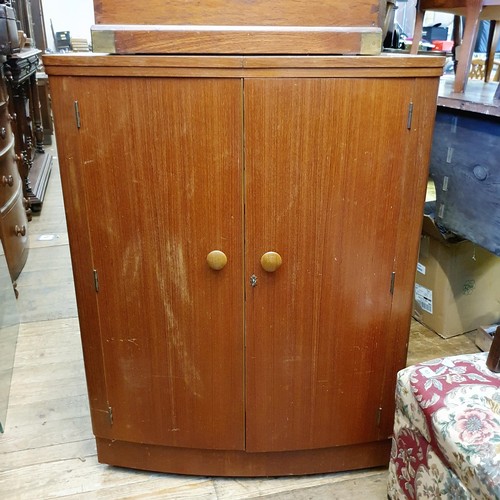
174, 371
48, 449
163, 334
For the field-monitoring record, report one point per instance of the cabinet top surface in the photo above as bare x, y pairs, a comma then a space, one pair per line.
236, 61
385, 65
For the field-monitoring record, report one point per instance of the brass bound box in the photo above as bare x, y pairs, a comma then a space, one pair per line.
239, 27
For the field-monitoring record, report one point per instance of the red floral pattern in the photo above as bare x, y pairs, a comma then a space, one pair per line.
446, 440
475, 426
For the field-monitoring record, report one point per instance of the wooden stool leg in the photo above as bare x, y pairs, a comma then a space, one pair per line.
467, 47
457, 38
417, 33
493, 38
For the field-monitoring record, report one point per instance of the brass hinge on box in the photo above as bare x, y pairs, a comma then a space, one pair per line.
379, 416
110, 415
96, 281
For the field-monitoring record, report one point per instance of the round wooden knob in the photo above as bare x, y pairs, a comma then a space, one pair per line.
271, 261
216, 260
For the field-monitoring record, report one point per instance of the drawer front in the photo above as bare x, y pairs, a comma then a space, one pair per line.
10, 180
14, 234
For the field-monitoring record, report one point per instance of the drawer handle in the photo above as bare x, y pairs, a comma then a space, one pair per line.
271, 261
7, 180
20, 231
216, 260
3, 132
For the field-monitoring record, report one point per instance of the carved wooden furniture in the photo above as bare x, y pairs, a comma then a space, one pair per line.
34, 164
42, 82
244, 236
13, 221
473, 11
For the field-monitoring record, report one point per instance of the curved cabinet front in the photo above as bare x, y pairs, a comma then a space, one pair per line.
243, 366
13, 219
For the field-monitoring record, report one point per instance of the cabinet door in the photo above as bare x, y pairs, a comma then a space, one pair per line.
160, 170
325, 188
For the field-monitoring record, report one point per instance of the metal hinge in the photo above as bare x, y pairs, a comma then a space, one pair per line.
96, 281
77, 115
110, 415
441, 211
410, 116
393, 279
379, 416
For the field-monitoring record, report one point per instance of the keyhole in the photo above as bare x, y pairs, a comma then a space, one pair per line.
253, 280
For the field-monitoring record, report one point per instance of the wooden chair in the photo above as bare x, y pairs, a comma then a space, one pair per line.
473, 11
478, 70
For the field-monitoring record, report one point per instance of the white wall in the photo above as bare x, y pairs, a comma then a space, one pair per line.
75, 16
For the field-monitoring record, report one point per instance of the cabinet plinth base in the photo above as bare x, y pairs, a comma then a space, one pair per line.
239, 463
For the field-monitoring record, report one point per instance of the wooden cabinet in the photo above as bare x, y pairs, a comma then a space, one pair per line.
242, 371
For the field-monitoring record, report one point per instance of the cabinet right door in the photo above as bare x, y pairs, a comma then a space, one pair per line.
328, 187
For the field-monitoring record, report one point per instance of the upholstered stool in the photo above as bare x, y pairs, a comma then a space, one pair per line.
446, 441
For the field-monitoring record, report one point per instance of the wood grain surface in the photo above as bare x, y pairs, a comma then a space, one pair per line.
161, 187
327, 162
242, 12
124, 39
328, 172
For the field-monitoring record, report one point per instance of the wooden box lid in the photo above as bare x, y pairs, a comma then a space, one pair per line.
239, 27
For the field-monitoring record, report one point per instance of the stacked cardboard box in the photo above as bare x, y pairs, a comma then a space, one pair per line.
457, 285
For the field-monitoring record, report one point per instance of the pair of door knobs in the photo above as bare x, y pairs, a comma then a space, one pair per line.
270, 261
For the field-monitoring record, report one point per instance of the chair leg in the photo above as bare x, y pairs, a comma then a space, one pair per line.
493, 37
457, 38
467, 46
417, 33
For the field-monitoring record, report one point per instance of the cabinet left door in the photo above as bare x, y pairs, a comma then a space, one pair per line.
152, 176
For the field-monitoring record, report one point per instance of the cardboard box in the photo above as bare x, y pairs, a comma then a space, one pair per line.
457, 284
484, 336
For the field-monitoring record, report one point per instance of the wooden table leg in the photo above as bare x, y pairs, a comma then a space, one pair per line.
467, 47
493, 38
419, 26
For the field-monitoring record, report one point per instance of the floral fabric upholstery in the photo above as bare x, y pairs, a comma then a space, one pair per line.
446, 441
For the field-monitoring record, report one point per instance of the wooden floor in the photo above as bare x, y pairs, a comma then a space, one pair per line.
48, 451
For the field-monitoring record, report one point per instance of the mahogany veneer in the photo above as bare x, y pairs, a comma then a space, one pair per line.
219, 366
